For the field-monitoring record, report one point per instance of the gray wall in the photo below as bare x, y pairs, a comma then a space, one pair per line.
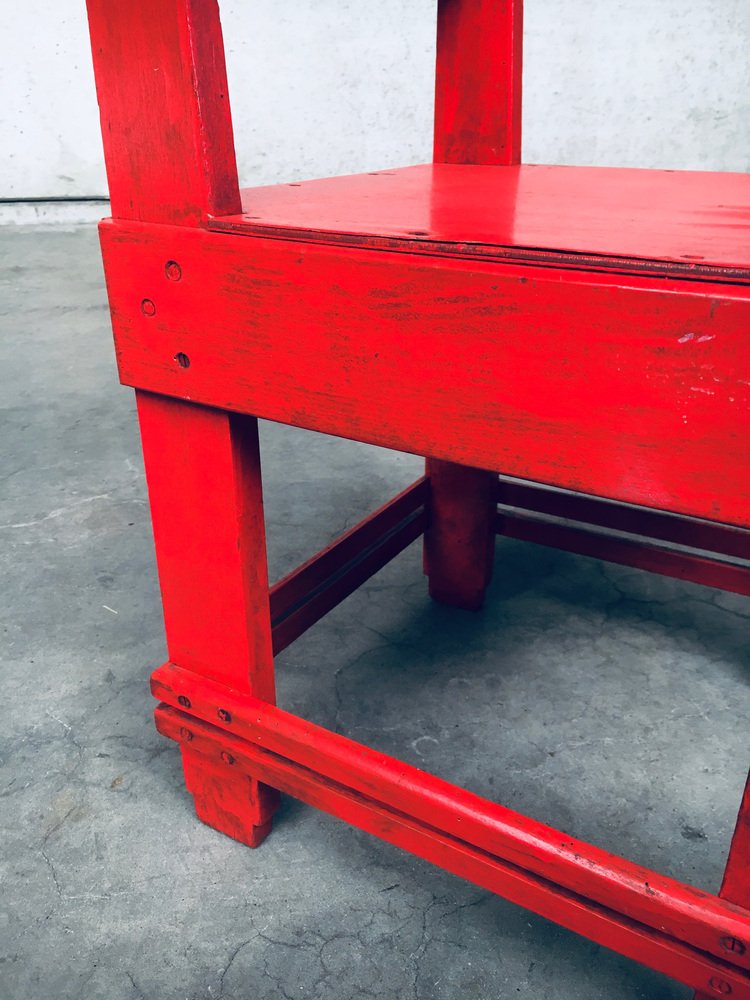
329, 86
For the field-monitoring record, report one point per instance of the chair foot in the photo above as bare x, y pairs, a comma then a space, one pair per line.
229, 800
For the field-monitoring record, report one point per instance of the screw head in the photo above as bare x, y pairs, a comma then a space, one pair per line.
224, 715
720, 986
183, 700
186, 734
173, 270
227, 757
148, 307
733, 944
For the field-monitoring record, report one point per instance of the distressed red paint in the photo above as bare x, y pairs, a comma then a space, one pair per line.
575, 328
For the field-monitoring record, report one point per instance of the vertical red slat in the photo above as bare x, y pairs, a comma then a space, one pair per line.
478, 81
203, 472
477, 120
166, 124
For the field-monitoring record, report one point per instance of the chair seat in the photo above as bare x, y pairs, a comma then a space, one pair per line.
687, 223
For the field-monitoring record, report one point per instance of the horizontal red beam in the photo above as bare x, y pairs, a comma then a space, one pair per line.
297, 586
342, 584
686, 913
487, 868
653, 524
630, 387
627, 552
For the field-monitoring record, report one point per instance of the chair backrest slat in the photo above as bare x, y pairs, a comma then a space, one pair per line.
164, 106
478, 81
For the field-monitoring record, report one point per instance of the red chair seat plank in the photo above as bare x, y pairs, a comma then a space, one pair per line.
679, 222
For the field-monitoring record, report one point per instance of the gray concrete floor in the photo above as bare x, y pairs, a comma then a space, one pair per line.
605, 701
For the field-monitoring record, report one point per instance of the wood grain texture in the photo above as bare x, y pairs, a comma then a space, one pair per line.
688, 914
204, 482
478, 81
635, 389
402, 308
459, 543
226, 798
203, 475
164, 106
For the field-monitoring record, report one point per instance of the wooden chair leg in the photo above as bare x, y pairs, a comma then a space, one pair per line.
735, 886
204, 479
460, 537
228, 800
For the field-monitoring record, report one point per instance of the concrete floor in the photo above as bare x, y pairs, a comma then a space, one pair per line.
605, 701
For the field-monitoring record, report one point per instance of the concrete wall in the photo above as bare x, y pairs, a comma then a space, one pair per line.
328, 86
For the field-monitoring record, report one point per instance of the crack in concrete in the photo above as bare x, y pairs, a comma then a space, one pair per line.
52, 871
230, 963
467, 906
61, 511
136, 987
418, 954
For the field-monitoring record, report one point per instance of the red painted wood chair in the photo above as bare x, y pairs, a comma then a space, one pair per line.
582, 330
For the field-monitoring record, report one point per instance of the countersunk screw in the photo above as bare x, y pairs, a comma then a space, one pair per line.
148, 308
173, 270
186, 734
733, 944
720, 985
227, 757
184, 701
224, 715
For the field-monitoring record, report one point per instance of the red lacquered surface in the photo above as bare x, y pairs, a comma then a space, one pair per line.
660, 906
635, 390
692, 220
478, 81
630, 384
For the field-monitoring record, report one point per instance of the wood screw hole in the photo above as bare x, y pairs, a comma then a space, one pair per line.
182, 359
173, 270
186, 734
733, 944
224, 715
148, 308
184, 701
720, 986
227, 757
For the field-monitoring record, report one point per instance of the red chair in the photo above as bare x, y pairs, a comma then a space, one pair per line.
582, 332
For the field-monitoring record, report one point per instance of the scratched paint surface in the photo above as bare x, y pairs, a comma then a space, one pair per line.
632, 388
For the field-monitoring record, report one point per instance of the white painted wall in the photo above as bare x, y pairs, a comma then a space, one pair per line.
330, 86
